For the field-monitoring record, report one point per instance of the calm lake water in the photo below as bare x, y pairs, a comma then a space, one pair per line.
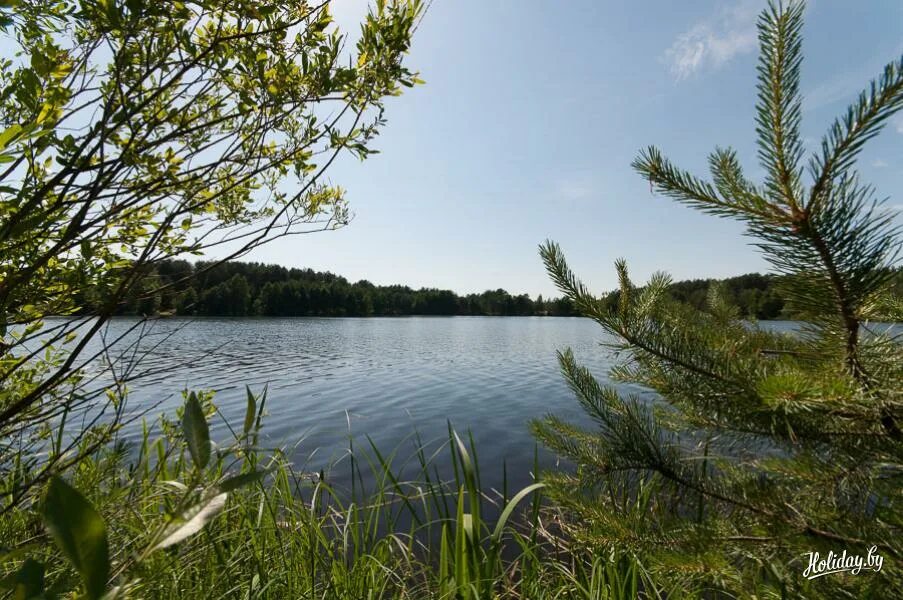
387, 377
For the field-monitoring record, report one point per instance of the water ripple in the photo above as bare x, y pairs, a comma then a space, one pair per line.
391, 375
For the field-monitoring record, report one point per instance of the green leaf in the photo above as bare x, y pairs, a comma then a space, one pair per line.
197, 435
233, 483
509, 508
11, 554
8, 134
192, 520
80, 533
27, 582
250, 412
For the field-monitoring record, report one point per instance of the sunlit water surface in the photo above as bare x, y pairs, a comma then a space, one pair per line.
385, 377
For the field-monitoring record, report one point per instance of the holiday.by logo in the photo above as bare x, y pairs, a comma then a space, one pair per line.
839, 563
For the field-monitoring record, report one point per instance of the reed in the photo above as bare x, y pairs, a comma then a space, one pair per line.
241, 521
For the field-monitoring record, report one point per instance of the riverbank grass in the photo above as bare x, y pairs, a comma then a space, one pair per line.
178, 517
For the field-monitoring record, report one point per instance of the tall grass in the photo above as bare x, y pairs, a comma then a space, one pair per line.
247, 523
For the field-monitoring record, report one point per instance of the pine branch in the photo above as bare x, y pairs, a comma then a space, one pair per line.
616, 324
731, 184
862, 121
801, 430
690, 190
565, 280
779, 106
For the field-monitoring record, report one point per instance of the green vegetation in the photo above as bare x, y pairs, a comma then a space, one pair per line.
754, 296
134, 133
176, 519
763, 447
178, 287
248, 289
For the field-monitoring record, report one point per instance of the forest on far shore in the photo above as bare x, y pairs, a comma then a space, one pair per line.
179, 287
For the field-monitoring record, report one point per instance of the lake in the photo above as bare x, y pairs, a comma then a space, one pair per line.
387, 377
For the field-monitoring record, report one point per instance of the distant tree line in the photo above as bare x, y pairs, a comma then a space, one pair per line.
254, 289
755, 295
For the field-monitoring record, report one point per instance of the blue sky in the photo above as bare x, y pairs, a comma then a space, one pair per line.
529, 120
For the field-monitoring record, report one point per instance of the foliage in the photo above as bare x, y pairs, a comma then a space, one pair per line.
250, 525
245, 289
133, 132
758, 447
755, 296
250, 289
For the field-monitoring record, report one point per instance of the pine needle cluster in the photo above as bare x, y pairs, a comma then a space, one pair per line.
758, 446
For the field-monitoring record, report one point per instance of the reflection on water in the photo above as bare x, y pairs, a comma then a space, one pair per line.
384, 376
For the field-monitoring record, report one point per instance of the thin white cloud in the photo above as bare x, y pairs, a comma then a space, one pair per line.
715, 41
879, 164
898, 123
574, 190
847, 84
